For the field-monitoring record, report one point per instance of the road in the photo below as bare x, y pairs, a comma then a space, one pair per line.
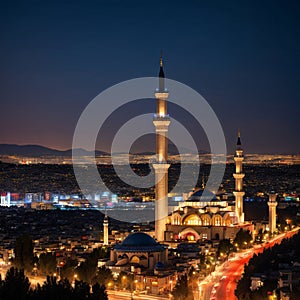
121, 295
221, 284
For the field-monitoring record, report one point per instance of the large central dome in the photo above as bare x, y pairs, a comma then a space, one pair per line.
200, 195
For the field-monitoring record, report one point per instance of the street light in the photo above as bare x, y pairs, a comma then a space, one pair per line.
75, 278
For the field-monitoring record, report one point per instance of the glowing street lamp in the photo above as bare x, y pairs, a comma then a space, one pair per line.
109, 284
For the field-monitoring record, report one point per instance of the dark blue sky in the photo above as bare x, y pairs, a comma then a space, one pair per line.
242, 56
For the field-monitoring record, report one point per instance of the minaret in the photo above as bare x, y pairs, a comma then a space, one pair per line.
161, 122
238, 175
272, 211
105, 230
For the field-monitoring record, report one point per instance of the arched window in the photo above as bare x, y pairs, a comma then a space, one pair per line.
192, 219
135, 259
206, 220
176, 220
217, 221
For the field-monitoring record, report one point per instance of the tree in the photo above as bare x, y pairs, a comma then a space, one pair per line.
224, 247
101, 252
16, 285
99, 292
260, 235
242, 239
81, 290
24, 253
125, 280
47, 263
67, 271
103, 276
242, 290
54, 290
181, 291
87, 270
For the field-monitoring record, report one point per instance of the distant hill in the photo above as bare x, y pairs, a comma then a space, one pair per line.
36, 151
172, 150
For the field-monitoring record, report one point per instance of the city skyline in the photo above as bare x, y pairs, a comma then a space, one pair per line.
241, 57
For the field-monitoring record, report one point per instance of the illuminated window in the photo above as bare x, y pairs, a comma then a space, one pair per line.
135, 260
192, 220
206, 221
176, 220
218, 221
190, 237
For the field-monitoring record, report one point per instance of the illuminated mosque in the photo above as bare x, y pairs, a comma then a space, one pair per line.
199, 218
210, 217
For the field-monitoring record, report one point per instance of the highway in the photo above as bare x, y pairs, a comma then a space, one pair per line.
221, 284
122, 295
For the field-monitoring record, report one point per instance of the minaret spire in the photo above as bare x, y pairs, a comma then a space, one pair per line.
239, 175
161, 75
239, 143
161, 122
105, 229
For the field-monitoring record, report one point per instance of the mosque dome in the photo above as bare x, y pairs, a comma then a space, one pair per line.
139, 238
139, 241
159, 265
200, 195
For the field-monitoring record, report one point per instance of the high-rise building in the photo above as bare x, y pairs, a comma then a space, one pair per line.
161, 122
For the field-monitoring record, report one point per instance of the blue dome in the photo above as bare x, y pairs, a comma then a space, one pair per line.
198, 195
139, 239
159, 265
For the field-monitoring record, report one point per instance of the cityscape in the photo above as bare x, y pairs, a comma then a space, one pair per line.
133, 209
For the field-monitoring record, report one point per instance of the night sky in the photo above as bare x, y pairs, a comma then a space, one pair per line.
242, 56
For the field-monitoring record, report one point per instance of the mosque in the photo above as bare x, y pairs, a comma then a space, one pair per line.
197, 219
210, 217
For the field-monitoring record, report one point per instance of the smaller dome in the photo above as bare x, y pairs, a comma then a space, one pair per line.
159, 265
139, 239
